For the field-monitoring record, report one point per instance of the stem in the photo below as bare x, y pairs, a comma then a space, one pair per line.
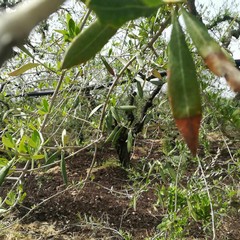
209, 197
52, 102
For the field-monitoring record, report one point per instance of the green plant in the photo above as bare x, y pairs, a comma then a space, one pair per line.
95, 75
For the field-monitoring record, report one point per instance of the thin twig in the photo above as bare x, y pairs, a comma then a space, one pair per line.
176, 184
85, 19
52, 101
209, 197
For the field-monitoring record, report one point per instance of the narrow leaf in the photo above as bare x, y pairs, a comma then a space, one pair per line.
127, 107
116, 12
45, 105
199, 34
156, 74
21, 146
52, 158
37, 157
215, 58
115, 114
87, 44
25, 50
124, 62
156, 81
129, 141
112, 134
4, 171
71, 27
109, 120
95, 109
140, 60
140, 89
108, 67
117, 135
183, 88
23, 69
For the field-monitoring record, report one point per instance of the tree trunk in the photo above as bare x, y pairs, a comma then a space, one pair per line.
121, 147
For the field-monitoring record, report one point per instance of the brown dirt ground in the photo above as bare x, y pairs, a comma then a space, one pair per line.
101, 208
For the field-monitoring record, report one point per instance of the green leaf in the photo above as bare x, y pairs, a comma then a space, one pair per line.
140, 61
95, 109
11, 198
115, 114
65, 34
214, 56
183, 87
199, 34
63, 168
39, 156
156, 74
140, 89
236, 118
8, 142
87, 44
41, 112
25, 50
117, 135
116, 12
127, 107
112, 134
156, 82
31, 126
45, 105
124, 62
21, 146
23, 69
52, 158
129, 141
36, 140
4, 171
32, 143
3, 162
108, 67
71, 27
37, 136
171, 171
76, 102
109, 120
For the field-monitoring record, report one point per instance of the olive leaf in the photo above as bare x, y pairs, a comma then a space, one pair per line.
214, 57
116, 13
87, 44
183, 87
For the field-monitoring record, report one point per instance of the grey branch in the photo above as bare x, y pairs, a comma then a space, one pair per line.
192, 9
16, 25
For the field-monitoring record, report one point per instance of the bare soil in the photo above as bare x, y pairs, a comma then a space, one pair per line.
103, 208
